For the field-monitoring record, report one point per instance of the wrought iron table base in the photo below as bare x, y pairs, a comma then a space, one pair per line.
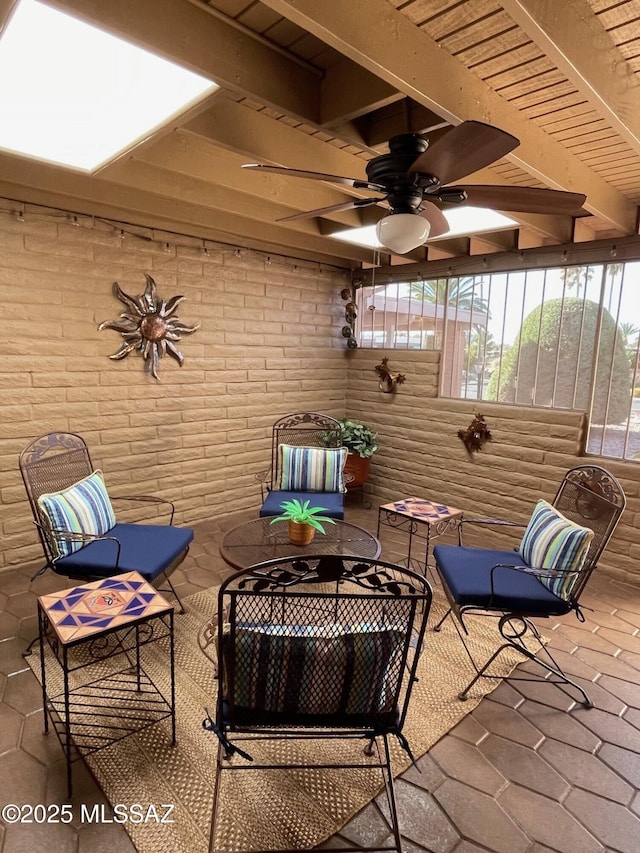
420, 519
94, 686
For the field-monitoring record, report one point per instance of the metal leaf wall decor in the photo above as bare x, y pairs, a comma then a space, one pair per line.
475, 435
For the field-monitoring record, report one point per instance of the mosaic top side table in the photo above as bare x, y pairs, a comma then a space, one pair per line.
421, 519
94, 684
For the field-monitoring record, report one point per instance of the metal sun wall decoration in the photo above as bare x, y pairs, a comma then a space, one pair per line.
149, 326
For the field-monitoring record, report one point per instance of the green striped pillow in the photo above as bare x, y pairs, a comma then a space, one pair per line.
82, 508
551, 541
312, 469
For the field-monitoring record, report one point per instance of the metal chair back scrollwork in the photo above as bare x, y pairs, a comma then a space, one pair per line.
318, 648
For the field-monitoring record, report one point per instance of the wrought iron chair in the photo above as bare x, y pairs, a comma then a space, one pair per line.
316, 650
544, 577
78, 531
307, 463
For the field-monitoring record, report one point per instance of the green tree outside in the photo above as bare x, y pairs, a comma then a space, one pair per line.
554, 348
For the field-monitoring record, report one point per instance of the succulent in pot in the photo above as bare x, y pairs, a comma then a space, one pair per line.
303, 520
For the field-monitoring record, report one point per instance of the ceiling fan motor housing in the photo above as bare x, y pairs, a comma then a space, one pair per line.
391, 171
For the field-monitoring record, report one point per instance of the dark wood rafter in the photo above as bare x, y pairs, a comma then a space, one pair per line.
324, 86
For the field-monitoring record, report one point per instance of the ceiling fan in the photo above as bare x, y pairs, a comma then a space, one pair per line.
414, 177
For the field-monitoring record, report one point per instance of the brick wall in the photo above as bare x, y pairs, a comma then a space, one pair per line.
269, 343
421, 454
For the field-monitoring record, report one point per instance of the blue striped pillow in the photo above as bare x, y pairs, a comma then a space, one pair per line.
312, 469
82, 508
551, 541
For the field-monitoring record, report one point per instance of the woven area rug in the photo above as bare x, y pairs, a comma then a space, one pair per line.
296, 809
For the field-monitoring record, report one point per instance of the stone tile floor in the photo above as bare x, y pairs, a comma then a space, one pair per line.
528, 770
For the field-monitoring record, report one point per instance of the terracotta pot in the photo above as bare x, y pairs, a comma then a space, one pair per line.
300, 534
356, 471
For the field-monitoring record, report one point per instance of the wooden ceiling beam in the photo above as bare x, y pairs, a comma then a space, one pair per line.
204, 43
452, 247
349, 91
378, 37
570, 254
600, 73
239, 207
6, 6
405, 117
258, 137
197, 157
150, 178
496, 241
37, 183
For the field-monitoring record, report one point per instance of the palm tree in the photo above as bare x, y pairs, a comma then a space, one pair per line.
629, 336
578, 277
462, 293
629, 333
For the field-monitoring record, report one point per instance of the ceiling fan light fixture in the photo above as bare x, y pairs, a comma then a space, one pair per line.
402, 232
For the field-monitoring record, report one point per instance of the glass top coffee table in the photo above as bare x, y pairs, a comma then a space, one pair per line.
258, 540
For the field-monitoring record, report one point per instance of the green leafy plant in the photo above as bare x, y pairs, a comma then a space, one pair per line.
356, 437
552, 360
302, 513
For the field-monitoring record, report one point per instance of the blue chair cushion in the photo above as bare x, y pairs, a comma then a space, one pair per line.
333, 502
467, 574
145, 548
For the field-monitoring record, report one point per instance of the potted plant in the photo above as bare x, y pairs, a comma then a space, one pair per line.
361, 442
303, 520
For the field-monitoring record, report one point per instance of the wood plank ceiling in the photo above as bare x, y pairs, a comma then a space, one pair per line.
324, 85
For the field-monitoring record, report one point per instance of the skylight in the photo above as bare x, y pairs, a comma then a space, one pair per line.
79, 96
462, 220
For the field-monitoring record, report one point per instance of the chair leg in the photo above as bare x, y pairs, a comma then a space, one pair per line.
387, 772
176, 596
438, 627
216, 798
514, 640
480, 673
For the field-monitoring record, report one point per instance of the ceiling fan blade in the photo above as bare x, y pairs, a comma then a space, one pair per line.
436, 219
314, 176
332, 208
519, 199
466, 148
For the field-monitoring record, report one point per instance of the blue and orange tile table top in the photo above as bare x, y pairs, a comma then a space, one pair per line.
82, 612
94, 682
420, 518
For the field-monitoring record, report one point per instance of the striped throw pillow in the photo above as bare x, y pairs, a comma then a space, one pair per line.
82, 508
312, 469
351, 671
551, 541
